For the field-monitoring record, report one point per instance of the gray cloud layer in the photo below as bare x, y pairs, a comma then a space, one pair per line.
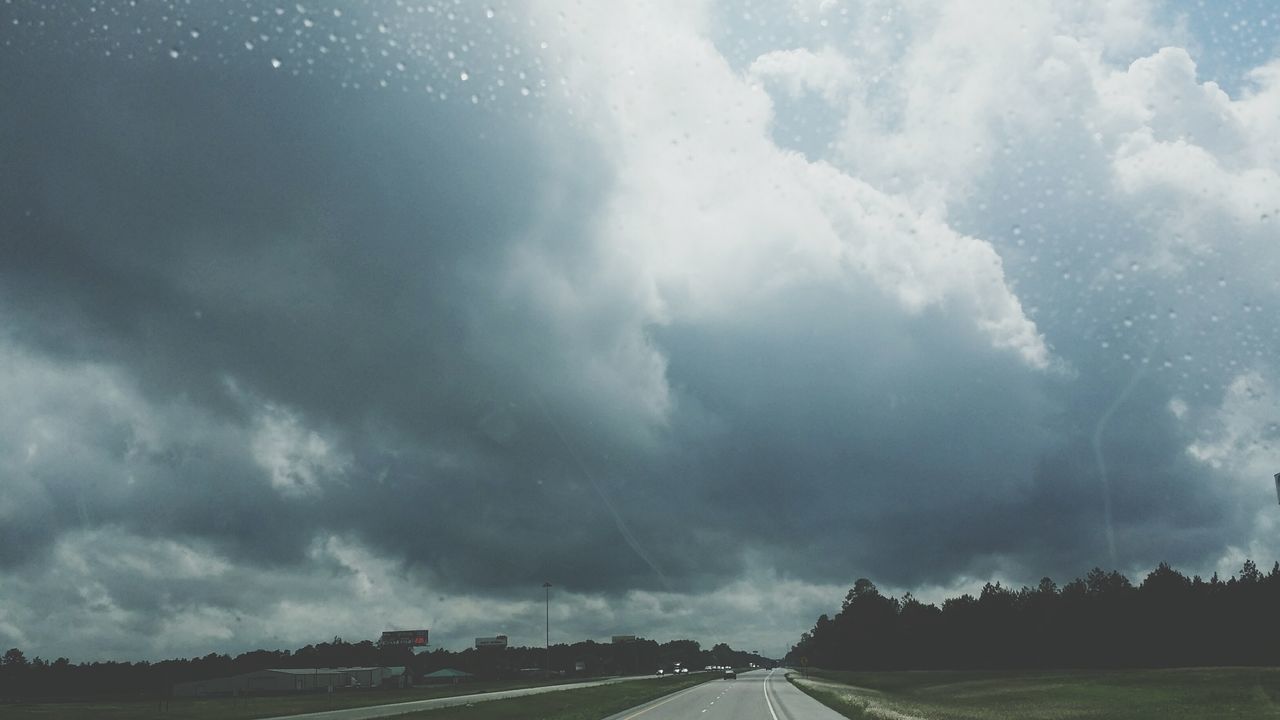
288, 336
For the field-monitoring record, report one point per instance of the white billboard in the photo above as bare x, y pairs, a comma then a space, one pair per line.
499, 641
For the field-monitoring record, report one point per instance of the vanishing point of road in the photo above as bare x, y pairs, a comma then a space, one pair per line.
756, 695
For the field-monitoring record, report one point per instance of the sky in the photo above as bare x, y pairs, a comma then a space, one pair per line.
329, 318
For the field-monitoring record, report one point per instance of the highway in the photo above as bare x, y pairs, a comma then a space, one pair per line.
757, 695
381, 711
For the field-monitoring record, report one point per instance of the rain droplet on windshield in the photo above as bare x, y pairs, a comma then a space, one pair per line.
275, 62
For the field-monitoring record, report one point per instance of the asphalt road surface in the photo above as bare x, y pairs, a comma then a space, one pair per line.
757, 695
381, 711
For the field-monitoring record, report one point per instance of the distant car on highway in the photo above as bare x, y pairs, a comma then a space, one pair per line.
729, 674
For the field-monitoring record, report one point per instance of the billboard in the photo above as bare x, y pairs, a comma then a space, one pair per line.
497, 641
410, 638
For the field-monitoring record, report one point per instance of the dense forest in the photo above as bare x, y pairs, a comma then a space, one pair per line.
22, 677
1099, 621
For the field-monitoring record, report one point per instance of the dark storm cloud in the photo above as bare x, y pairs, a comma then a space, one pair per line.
232, 236
336, 253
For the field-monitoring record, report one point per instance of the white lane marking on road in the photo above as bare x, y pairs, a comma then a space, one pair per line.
664, 702
766, 695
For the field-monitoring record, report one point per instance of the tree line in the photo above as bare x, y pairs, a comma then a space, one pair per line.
37, 678
1099, 621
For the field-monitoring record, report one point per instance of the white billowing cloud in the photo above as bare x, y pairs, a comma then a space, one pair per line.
1159, 94
58, 421
921, 261
1203, 168
298, 461
1257, 112
1243, 436
826, 72
943, 105
1240, 442
713, 215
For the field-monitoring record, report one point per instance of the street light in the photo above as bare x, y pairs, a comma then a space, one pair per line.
546, 586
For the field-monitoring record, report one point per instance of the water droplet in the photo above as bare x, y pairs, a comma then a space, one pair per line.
248, 45
275, 63
400, 66
524, 91
1016, 230
488, 12
463, 76
337, 12
174, 52
195, 33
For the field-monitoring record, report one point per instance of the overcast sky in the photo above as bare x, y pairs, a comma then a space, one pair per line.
336, 317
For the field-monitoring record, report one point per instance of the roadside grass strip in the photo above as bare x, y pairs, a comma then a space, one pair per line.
251, 706
590, 703
1170, 694
850, 701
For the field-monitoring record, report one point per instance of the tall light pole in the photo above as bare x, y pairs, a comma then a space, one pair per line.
546, 586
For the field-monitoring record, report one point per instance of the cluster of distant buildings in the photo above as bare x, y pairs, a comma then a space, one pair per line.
285, 680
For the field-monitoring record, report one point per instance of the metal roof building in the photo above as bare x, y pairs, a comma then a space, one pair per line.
447, 675
283, 680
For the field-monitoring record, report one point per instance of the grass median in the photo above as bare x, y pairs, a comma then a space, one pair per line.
1173, 694
590, 703
248, 707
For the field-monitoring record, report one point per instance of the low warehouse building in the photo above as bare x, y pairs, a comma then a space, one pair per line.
283, 680
447, 676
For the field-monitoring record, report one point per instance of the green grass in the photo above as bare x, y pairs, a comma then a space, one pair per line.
1113, 694
585, 704
245, 708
